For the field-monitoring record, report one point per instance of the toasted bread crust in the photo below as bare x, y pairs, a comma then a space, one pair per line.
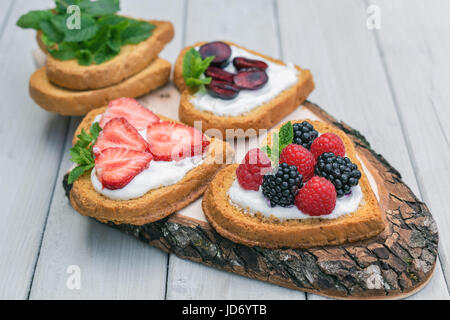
77, 103
237, 225
262, 117
131, 60
155, 204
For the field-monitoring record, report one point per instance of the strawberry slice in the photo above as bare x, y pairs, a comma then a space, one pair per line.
116, 167
119, 133
170, 141
128, 108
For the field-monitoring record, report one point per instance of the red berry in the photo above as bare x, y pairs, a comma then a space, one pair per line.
252, 169
296, 155
328, 142
317, 197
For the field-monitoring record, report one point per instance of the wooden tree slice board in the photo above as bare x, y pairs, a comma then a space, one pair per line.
395, 264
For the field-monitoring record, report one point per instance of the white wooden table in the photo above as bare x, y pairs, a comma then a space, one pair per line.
391, 84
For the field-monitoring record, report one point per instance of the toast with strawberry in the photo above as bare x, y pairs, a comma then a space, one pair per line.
227, 86
305, 188
134, 167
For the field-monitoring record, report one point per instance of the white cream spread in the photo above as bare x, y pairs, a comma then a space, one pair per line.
280, 78
254, 201
159, 174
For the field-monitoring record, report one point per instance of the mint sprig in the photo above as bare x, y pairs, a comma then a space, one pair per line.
82, 153
280, 140
101, 35
194, 67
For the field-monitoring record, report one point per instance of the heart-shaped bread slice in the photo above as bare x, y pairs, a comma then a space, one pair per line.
155, 204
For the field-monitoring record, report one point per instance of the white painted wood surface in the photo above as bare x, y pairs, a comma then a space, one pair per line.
414, 42
389, 83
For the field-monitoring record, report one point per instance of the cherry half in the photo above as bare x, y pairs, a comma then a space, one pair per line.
251, 79
223, 90
220, 50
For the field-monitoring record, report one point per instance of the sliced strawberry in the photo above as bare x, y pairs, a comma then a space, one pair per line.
119, 133
138, 116
171, 141
116, 167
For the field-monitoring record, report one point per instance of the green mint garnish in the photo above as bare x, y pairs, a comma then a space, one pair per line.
82, 153
100, 37
194, 67
280, 140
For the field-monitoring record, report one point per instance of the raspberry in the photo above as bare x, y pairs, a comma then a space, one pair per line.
252, 169
317, 197
328, 142
302, 158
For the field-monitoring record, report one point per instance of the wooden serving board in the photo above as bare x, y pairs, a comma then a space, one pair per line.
395, 264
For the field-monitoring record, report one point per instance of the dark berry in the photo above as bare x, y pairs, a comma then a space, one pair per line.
220, 50
244, 63
252, 79
223, 90
281, 187
340, 171
304, 134
219, 74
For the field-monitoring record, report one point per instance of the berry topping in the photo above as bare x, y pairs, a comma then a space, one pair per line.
244, 63
252, 169
170, 141
317, 197
221, 51
219, 74
138, 116
223, 90
116, 167
282, 187
304, 134
340, 171
302, 158
119, 133
328, 142
251, 79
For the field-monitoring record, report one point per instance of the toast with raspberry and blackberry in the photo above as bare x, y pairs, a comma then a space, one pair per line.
135, 167
305, 188
227, 86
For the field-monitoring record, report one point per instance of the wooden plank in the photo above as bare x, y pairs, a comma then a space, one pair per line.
415, 45
7, 6
332, 40
251, 24
31, 141
112, 265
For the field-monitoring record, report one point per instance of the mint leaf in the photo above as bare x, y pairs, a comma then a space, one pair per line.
194, 67
87, 31
32, 19
267, 150
137, 31
52, 33
100, 7
62, 5
78, 172
64, 52
104, 54
286, 135
47, 42
82, 153
84, 57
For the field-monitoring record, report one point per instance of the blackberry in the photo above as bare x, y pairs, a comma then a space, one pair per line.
304, 134
340, 171
281, 187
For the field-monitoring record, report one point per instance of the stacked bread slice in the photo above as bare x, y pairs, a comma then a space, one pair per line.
67, 88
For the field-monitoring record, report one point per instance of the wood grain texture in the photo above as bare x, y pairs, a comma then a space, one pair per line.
331, 38
251, 24
394, 264
31, 141
414, 44
112, 265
